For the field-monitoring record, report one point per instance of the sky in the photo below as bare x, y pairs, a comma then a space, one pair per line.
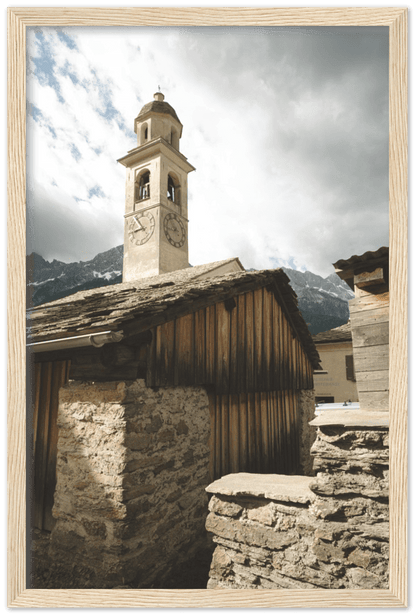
287, 129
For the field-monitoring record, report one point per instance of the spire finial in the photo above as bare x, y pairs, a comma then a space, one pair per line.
158, 96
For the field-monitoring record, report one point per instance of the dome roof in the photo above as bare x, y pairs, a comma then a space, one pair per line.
158, 106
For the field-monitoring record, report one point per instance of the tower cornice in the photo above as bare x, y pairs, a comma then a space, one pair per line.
151, 148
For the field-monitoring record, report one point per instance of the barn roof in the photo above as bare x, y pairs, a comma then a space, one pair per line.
134, 307
337, 334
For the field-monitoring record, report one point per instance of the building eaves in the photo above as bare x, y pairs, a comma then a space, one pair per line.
358, 260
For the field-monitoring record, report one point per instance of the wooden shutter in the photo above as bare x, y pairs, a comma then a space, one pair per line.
349, 365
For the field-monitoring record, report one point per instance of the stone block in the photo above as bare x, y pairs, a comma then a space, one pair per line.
264, 514
137, 442
94, 528
181, 428
327, 551
224, 507
363, 579
166, 436
360, 558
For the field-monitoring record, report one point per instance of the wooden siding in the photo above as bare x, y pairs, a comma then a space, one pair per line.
254, 432
246, 348
49, 377
370, 338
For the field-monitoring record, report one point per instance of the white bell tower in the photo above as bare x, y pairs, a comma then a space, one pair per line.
156, 214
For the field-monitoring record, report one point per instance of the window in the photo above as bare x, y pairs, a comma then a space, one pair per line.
144, 133
142, 188
173, 192
171, 189
349, 367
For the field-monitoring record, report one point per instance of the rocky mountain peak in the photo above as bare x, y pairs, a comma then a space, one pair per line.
322, 301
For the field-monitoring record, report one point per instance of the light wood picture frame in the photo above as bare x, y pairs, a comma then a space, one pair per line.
18, 20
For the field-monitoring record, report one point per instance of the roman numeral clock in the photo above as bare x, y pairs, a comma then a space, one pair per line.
156, 213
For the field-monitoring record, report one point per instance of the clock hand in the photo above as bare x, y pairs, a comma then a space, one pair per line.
139, 225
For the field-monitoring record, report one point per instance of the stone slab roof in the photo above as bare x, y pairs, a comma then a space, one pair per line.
152, 301
283, 488
353, 418
338, 334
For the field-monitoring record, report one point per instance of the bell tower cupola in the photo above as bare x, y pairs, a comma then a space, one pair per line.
156, 212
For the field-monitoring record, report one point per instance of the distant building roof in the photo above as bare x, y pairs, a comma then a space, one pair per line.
338, 334
152, 301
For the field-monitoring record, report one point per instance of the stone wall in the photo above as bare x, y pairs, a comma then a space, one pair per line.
131, 471
277, 531
307, 433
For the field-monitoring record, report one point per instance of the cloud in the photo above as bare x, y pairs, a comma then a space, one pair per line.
287, 129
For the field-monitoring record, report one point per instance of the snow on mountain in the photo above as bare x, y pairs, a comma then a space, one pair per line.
49, 280
322, 301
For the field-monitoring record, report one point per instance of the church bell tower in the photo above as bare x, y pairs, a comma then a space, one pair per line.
156, 214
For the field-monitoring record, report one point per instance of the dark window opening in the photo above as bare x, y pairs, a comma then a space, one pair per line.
143, 187
145, 133
171, 189
173, 192
324, 399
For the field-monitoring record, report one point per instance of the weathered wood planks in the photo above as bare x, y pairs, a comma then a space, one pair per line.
370, 337
49, 378
371, 334
371, 358
254, 432
249, 347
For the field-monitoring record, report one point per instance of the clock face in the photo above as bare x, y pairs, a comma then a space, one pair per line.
174, 230
141, 227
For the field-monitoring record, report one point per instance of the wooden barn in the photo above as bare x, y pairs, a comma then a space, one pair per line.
240, 336
368, 277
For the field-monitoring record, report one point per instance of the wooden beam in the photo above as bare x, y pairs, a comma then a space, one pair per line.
368, 279
112, 355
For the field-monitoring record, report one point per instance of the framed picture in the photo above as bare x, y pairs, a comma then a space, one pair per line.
19, 19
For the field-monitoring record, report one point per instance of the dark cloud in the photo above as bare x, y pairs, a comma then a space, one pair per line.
56, 231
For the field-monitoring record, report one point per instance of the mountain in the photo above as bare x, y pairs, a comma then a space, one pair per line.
323, 302
49, 280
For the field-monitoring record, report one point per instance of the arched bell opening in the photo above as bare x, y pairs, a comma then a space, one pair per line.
174, 189
142, 186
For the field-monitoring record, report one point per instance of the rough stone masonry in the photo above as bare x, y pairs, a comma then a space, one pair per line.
131, 471
278, 531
